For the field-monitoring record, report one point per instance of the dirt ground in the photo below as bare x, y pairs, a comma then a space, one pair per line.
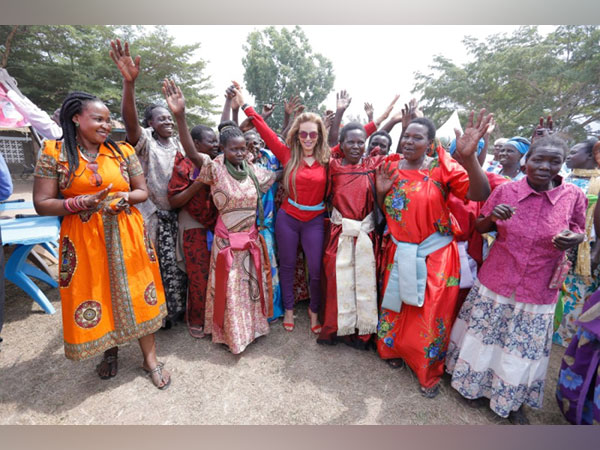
282, 378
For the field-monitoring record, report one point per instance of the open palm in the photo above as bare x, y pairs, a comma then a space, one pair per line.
466, 145
129, 68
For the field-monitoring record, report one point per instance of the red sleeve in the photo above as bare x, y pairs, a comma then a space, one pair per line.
180, 177
495, 180
370, 128
453, 174
281, 151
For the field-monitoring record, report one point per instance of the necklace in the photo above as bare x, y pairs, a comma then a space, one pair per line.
160, 144
89, 157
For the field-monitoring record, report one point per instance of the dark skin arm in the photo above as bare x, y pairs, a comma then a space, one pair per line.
595, 253
176, 103
485, 224
47, 203
343, 100
130, 70
182, 198
466, 147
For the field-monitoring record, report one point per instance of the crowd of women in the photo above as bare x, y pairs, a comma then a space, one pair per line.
435, 256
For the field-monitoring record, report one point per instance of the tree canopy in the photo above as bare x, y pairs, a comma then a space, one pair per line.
50, 61
521, 77
279, 64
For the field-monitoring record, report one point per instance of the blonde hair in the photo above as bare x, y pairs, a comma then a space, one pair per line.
321, 152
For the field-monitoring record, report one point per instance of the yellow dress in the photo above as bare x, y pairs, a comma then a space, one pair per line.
109, 280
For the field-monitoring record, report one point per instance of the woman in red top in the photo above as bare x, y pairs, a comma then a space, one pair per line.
302, 213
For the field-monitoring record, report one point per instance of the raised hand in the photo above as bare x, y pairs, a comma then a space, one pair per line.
291, 105
543, 130
92, 200
343, 100
267, 110
502, 212
369, 111
387, 110
239, 98
129, 68
174, 97
385, 177
414, 109
466, 145
491, 128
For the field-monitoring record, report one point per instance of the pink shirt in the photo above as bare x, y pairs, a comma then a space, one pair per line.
522, 259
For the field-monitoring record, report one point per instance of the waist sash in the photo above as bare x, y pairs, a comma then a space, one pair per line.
240, 241
408, 276
318, 207
355, 276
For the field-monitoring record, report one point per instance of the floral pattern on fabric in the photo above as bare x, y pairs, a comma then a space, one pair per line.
68, 262
385, 328
398, 199
436, 351
496, 333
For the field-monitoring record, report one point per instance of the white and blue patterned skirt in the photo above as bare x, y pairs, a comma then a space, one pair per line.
500, 349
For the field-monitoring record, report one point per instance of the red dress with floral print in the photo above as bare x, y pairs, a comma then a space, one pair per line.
415, 208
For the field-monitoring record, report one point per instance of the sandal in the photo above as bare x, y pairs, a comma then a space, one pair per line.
317, 328
431, 392
395, 363
109, 362
156, 375
288, 326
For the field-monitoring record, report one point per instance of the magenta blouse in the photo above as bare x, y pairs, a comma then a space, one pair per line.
523, 259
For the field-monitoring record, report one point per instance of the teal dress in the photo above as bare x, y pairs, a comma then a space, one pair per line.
268, 161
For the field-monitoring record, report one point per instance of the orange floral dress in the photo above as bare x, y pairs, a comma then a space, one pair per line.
415, 208
109, 280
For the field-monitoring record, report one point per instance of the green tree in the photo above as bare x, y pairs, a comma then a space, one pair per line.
50, 61
279, 64
519, 78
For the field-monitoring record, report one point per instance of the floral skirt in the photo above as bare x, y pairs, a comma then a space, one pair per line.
500, 349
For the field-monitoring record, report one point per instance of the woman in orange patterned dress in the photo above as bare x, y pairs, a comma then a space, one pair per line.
110, 286
422, 269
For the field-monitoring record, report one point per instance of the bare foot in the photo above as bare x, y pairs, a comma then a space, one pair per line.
108, 367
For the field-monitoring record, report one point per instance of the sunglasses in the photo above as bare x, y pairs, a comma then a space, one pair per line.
95, 178
303, 135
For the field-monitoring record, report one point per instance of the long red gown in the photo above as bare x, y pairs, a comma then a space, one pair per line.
415, 208
351, 192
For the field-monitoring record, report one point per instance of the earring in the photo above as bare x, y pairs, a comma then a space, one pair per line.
76, 124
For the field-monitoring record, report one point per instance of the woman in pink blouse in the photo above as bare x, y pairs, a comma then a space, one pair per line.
500, 344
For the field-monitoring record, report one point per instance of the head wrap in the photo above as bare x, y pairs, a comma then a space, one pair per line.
452, 147
520, 143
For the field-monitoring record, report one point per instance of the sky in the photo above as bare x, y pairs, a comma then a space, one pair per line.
372, 62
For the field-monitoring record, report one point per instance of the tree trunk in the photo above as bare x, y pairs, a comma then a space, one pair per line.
7, 45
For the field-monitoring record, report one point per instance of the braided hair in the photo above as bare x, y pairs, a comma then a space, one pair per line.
74, 104
227, 130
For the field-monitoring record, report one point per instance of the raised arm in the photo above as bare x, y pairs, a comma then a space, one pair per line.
176, 102
280, 150
466, 146
343, 100
130, 70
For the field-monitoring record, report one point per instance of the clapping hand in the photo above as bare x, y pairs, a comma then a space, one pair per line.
466, 145
174, 97
129, 68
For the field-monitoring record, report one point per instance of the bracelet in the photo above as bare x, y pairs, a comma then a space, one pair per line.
67, 206
244, 106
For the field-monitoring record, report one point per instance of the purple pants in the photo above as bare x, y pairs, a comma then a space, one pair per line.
288, 231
